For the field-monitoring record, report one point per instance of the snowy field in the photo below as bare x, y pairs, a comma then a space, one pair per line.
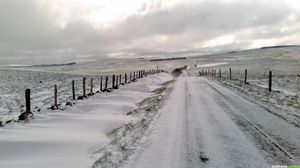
14, 82
41, 81
284, 96
159, 121
69, 138
285, 66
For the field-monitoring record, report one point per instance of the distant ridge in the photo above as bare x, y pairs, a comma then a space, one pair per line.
47, 65
167, 59
42, 65
279, 46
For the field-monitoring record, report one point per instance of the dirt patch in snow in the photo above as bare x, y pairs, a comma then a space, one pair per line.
178, 71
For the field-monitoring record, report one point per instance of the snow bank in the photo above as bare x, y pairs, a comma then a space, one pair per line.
67, 138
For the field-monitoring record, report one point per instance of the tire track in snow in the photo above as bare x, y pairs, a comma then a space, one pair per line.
165, 146
277, 152
192, 130
195, 157
220, 139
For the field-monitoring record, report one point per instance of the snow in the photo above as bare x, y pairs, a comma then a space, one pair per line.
164, 146
212, 127
277, 138
68, 138
200, 121
14, 82
282, 101
211, 65
195, 132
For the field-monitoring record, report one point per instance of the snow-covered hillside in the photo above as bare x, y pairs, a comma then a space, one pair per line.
161, 120
70, 138
14, 82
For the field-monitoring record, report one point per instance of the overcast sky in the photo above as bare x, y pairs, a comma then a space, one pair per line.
70, 30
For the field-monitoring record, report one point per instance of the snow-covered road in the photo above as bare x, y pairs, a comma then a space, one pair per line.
204, 124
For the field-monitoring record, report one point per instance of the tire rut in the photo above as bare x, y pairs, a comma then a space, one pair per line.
272, 150
194, 155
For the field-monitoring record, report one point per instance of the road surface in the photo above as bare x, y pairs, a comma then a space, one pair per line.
204, 124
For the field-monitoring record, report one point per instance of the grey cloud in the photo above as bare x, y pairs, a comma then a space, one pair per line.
195, 23
208, 19
24, 26
26, 29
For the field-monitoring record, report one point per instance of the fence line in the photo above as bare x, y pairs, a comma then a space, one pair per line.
212, 73
115, 79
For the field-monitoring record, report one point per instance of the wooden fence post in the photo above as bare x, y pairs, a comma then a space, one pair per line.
245, 76
130, 77
125, 78
229, 73
55, 95
120, 81
73, 89
101, 84
133, 76
270, 81
117, 82
220, 73
91, 87
106, 82
27, 100
83, 87
113, 82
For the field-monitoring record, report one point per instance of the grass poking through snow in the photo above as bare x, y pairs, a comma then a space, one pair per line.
124, 139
